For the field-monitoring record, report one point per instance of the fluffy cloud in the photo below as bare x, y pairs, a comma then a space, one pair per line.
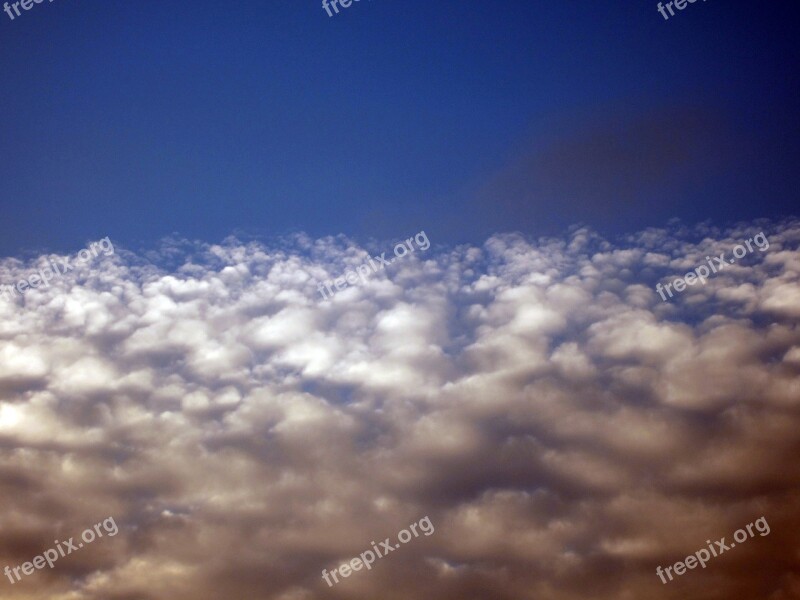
566, 431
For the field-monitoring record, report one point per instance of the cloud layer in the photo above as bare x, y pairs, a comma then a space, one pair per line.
566, 431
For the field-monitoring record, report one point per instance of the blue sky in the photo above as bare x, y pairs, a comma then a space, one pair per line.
463, 119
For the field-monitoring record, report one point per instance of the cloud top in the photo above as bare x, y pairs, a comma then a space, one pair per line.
565, 429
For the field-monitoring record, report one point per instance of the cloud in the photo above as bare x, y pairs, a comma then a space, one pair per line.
566, 431
616, 164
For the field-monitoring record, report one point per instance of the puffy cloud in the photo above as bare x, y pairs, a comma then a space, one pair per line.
564, 429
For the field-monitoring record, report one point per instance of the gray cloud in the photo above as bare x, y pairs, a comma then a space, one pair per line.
617, 165
564, 429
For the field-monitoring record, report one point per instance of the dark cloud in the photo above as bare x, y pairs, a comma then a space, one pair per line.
618, 166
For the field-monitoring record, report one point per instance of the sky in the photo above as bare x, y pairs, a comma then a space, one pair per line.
418, 301
264, 119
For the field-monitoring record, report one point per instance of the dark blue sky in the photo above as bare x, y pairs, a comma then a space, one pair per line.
138, 119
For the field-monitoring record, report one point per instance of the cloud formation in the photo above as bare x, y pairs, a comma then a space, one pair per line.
565, 430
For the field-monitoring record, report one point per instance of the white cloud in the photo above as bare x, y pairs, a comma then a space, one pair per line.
565, 429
